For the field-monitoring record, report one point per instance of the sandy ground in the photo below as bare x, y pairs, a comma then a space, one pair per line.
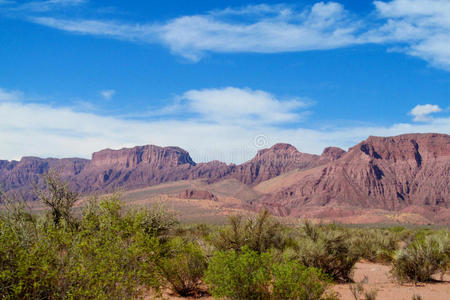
379, 279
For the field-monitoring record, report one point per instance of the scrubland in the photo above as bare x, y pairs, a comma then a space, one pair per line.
105, 250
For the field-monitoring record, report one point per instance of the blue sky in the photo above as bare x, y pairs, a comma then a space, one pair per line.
220, 80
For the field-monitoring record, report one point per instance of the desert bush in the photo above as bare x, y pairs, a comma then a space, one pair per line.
423, 258
375, 245
291, 280
111, 255
107, 255
59, 199
258, 233
328, 250
248, 274
157, 221
183, 266
239, 275
358, 290
26, 273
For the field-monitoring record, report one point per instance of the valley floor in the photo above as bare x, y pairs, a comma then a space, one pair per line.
379, 279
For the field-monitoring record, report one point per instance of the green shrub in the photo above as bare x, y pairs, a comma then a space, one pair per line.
375, 245
258, 233
59, 199
106, 256
252, 275
183, 267
243, 275
291, 280
328, 250
422, 258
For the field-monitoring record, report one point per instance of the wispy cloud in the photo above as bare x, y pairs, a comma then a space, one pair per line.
47, 5
419, 28
275, 29
107, 94
71, 132
10, 96
269, 30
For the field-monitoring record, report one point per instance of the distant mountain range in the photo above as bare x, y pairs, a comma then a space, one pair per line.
407, 173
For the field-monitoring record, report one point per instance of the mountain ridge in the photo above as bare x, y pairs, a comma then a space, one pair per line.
410, 171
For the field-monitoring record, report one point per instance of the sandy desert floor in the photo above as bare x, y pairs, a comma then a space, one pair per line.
380, 279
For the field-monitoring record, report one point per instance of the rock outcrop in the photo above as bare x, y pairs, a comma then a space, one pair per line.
272, 162
389, 173
22, 177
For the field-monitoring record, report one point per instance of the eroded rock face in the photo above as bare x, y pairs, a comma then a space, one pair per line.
150, 155
269, 163
197, 194
332, 153
136, 167
392, 173
24, 175
388, 173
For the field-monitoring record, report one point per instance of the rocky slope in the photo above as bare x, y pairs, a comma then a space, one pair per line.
272, 162
390, 173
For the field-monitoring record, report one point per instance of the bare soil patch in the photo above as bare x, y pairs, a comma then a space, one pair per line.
380, 279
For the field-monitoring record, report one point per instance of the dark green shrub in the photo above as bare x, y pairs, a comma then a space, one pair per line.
258, 233
183, 267
243, 275
328, 250
422, 258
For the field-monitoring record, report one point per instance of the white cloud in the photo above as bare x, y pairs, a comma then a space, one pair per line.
44, 130
241, 105
118, 30
10, 95
422, 113
270, 29
107, 94
48, 5
423, 26
419, 28
275, 29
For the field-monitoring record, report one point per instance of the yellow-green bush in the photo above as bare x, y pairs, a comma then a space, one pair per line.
423, 258
258, 233
248, 274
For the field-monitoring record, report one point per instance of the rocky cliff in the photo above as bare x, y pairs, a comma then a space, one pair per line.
381, 172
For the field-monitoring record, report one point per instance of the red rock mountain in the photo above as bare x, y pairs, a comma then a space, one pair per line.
143, 166
269, 163
392, 173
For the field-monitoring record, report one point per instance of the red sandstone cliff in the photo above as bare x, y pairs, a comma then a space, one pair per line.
381, 172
